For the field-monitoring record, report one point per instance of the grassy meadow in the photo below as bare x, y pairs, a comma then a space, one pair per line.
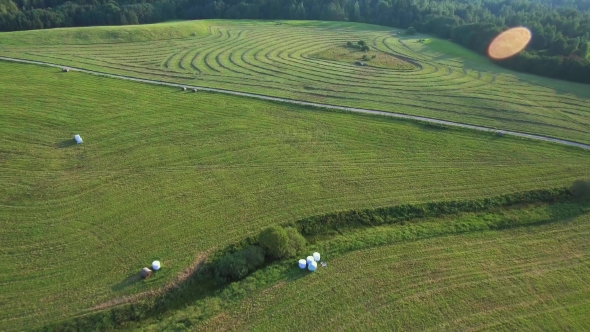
262, 57
169, 175
531, 279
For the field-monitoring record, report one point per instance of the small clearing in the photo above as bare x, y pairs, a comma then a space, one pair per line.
372, 58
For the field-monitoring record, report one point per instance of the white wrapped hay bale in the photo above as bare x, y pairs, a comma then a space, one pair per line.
155, 265
78, 139
313, 266
302, 264
310, 260
316, 256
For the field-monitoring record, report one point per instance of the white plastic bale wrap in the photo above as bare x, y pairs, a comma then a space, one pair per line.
78, 139
155, 265
302, 263
313, 266
310, 260
316, 256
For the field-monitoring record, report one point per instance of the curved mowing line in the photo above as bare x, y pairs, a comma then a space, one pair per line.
282, 62
326, 106
331, 93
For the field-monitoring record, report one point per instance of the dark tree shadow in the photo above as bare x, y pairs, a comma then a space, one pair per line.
66, 143
296, 273
569, 211
130, 280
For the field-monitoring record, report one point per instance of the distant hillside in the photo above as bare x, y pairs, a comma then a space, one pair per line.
561, 31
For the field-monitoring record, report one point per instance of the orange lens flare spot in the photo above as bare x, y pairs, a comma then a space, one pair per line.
509, 43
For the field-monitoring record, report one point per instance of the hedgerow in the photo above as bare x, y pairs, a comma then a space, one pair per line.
243, 258
333, 222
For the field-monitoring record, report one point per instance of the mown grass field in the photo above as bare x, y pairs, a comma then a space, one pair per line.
527, 279
261, 57
169, 175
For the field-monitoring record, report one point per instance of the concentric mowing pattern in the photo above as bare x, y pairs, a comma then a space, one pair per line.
276, 60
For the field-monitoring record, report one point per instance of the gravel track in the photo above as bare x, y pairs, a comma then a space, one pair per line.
318, 105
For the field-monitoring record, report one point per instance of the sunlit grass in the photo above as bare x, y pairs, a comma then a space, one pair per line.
263, 57
164, 174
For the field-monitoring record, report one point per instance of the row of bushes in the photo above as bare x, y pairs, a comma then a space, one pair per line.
333, 222
276, 243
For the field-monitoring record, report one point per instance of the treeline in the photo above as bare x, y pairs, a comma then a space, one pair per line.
559, 48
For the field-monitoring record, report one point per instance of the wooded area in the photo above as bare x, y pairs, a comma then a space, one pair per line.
559, 48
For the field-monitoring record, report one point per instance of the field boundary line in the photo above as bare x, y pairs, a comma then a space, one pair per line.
312, 104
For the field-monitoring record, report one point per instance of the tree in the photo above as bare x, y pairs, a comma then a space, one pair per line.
281, 243
410, 31
232, 267
558, 46
296, 240
356, 13
333, 12
276, 242
583, 49
361, 43
580, 189
365, 48
239, 264
132, 18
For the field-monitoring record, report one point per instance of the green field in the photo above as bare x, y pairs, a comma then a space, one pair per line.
528, 279
169, 175
451, 83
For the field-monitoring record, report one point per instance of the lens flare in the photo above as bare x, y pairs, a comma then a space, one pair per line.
509, 43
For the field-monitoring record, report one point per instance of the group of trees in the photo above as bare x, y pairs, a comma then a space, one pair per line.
559, 48
361, 45
274, 243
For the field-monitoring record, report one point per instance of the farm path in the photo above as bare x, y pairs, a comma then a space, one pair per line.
312, 104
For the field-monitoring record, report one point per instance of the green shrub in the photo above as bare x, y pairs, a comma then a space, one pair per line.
349, 44
365, 48
231, 267
280, 242
238, 265
580, 189
296, 241
362, 43
411, 31
366, 57
254, 256
374, 56
276, 242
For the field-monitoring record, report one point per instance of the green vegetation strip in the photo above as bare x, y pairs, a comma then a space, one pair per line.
263, 58
169, 175
520, 279
206, 301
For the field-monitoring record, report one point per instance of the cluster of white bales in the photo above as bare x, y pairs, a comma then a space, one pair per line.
311, 262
